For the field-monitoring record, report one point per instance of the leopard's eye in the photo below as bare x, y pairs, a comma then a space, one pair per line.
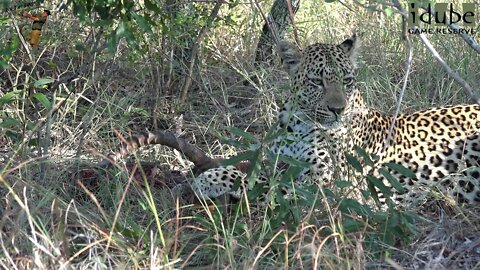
348, 80
316, 81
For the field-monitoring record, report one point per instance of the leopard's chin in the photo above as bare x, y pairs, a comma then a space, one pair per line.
331, 125
332, 122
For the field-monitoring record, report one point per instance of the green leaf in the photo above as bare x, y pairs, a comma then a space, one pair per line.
366, 157
257, 191
51, 64
352, 225
121, 30
33, 142
15, 42
392, 180
372, 8
3, 64
308, 192
254, 168
373, 191
41, 83
43, 99
248, 155
79, 47
7, 52
13, 135
151, 6
394, 220
103, 22
291, 173
126, 231
112, 43
388, 11
130, 38
5, 20
144, 25
247, 136
365, 193
401, 169
9, 122
354, 162
380, 185
343, 184
9, 97
235, 143
273, 133
351, 205
237, 184
30, 125
329, 194
293, 162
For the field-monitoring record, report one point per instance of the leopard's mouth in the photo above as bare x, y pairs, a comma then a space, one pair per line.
328, 120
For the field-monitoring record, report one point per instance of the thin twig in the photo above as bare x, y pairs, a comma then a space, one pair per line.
22, 40
268, 20
468, 39
291, 14
119, 207
92, 54
465, 85
409, 46
374, 9
27, 137
94, 200
196, 46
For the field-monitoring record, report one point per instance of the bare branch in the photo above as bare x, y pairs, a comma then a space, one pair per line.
375, 9
269, 21
291, 13
468, 39
198, 157
22, 39
466, 86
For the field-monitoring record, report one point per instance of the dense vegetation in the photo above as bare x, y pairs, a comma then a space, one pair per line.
108, 67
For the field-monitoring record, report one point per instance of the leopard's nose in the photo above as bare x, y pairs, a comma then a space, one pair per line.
336, 110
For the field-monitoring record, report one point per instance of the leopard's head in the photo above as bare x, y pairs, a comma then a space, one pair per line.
323, 78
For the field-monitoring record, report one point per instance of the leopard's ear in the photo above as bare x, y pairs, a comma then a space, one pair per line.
290, 55
350, 46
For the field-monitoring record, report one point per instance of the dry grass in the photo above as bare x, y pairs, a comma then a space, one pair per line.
117, 220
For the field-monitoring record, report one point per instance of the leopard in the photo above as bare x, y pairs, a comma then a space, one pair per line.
325, 117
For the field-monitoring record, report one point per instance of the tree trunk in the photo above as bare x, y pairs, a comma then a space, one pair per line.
280, 20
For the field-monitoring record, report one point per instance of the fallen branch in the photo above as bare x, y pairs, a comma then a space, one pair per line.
201, 161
